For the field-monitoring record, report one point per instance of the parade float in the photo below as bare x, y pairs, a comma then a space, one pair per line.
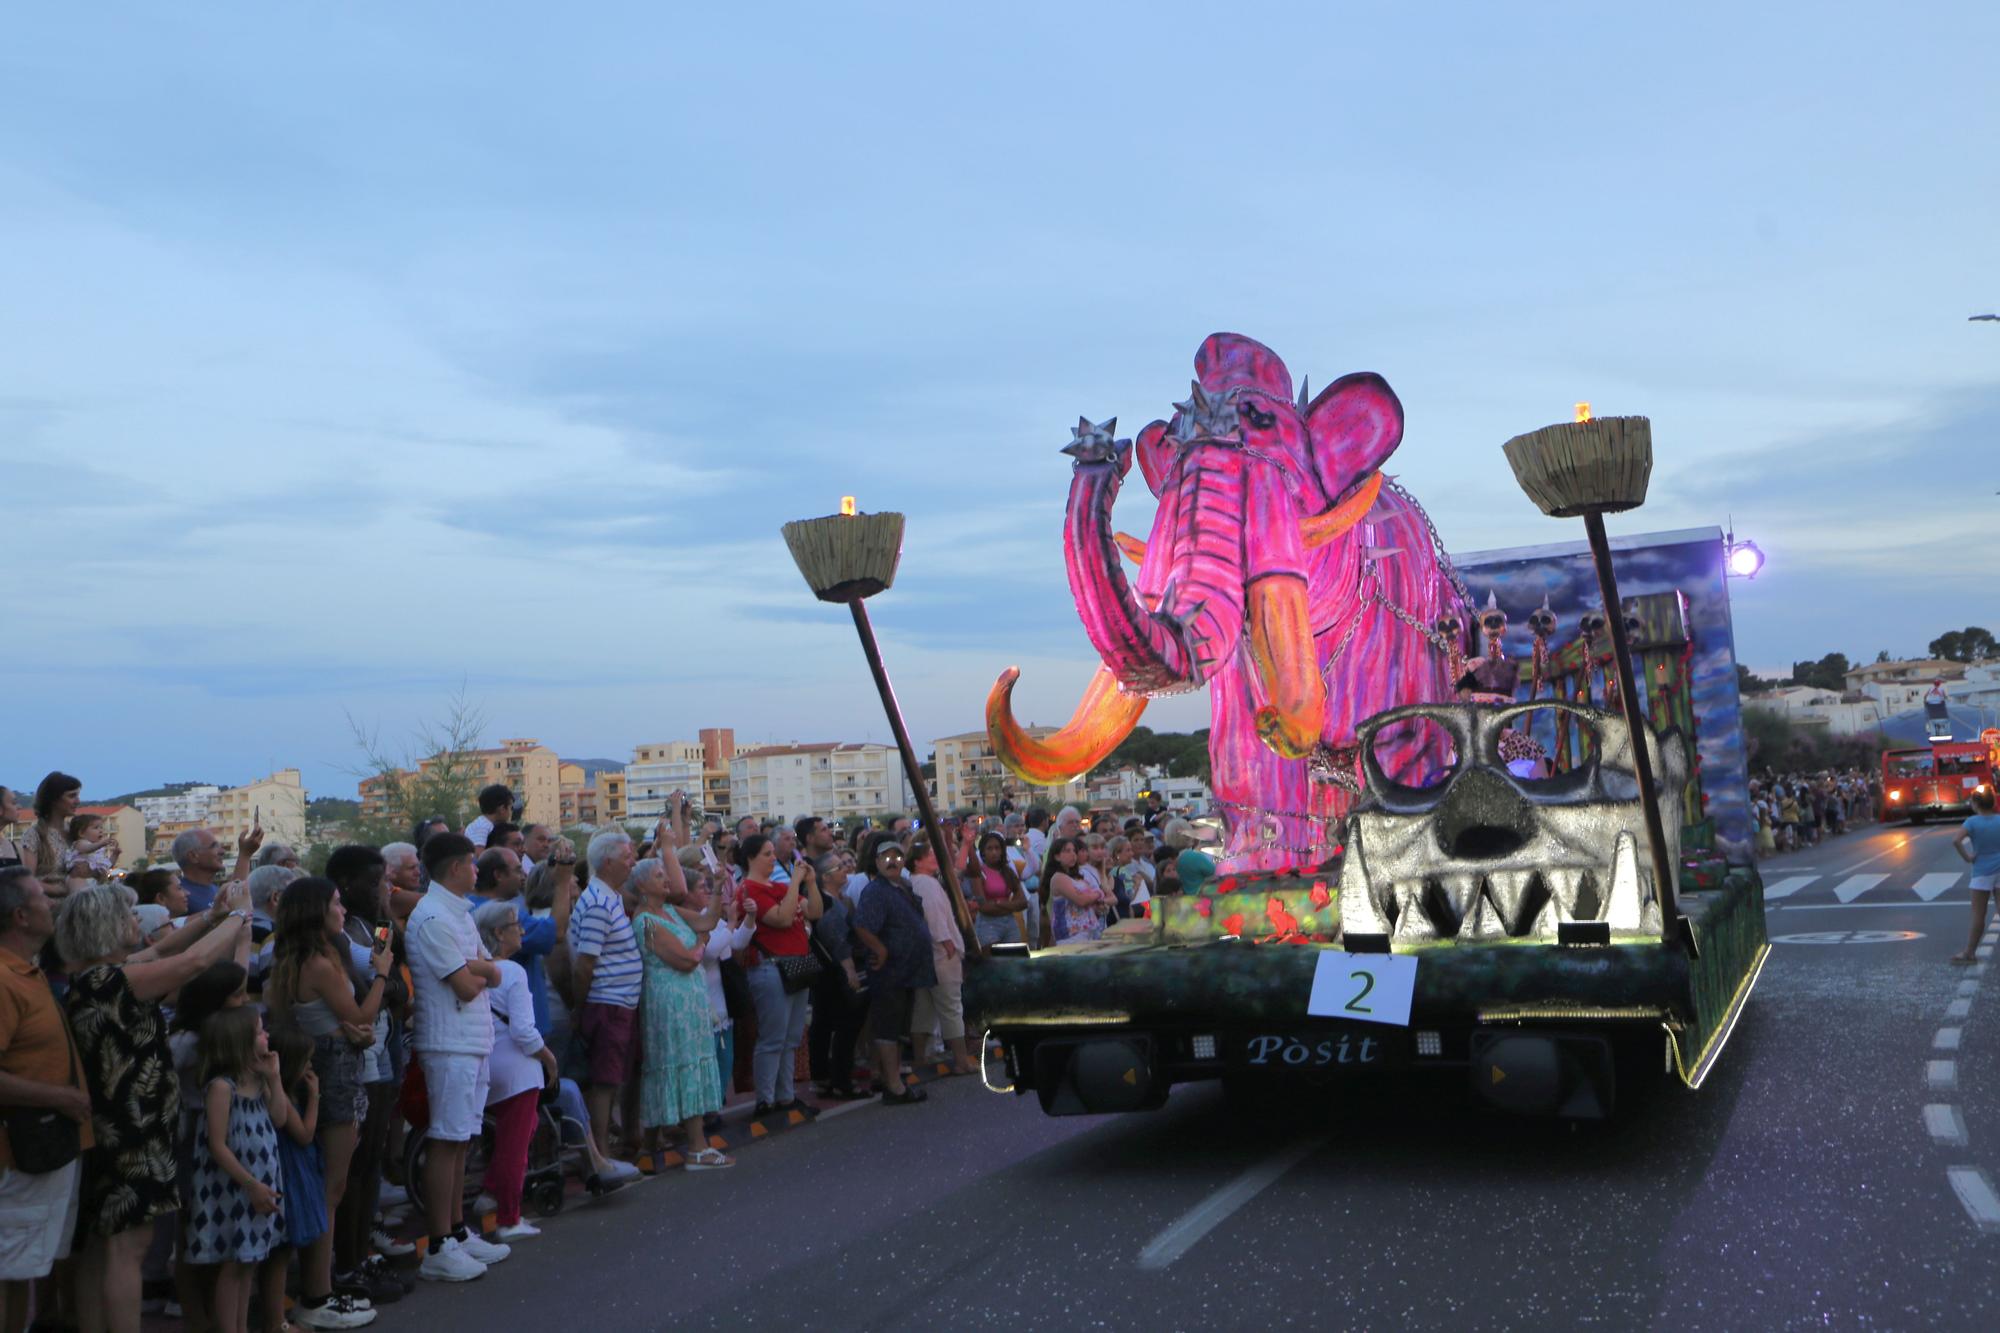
1452, 839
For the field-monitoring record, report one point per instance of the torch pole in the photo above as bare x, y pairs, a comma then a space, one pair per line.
1642, 759
947, 873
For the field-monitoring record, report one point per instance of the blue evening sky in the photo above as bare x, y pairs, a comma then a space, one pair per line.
352, 352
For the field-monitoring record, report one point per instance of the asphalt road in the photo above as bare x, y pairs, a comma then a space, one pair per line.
1820, 1179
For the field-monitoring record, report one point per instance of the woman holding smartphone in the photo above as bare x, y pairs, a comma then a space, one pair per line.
784, 913
309, 986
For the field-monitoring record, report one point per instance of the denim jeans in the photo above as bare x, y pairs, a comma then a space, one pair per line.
781, 1026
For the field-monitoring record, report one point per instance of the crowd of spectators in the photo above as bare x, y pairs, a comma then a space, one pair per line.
1794, 810
211, 1075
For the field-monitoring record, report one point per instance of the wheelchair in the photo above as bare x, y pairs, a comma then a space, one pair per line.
553, 1151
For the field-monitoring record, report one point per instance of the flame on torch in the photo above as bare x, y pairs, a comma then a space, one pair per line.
1582, 413
847, 505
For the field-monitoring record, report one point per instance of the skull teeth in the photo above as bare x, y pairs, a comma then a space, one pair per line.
1565, 887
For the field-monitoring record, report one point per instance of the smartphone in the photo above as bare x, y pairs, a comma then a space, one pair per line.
382, 936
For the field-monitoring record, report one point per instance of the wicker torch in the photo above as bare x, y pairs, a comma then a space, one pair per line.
1591, 467
849, 557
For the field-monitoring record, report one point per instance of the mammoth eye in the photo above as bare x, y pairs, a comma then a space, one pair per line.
1258, 417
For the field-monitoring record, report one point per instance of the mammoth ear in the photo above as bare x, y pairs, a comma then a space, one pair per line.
1354, 424
1156, 454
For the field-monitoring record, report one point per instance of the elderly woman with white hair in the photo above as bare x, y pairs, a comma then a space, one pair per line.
679, 1083
520, 1066
129, 1177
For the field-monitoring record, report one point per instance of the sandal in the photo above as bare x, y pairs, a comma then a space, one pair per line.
708, 1159
909, 1096
1963, 958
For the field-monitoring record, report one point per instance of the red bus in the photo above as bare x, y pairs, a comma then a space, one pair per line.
1939, 780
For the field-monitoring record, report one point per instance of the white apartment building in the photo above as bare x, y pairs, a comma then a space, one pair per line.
192, 806
656, 772
1122, 787
970, 776
830, 779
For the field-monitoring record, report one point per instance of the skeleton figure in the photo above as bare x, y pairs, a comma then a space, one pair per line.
1541, 624
1490, 677
1451, 630
1591, 625
1487, 855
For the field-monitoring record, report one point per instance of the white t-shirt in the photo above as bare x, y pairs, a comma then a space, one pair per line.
479, 830
442, 940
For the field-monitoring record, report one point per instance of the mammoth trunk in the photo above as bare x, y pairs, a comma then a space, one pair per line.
1192, 581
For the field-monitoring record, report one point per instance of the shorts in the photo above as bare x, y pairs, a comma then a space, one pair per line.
342, 1099
889, 1013
37, 1219
457, 1087
1985, 883
611, 1034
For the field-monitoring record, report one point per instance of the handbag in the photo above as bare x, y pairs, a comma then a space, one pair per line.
798, 971
43, 1140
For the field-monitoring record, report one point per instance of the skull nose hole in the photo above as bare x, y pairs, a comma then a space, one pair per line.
1484, 842
1482, 818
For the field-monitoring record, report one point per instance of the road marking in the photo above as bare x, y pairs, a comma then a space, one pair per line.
1942, 1075
1930, 886
1849, 937
1958, 1009
1786, 887
1945, 1124
1946, 1039
1975, 1191
1858, 907
1968, 987
1211, 1212
1855, 885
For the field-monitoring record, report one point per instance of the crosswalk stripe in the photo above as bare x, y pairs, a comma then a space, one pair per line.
1855, 885
1930, 886
1785, 888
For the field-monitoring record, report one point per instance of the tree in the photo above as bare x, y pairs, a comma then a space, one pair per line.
438, 776
1971, 644
1829, 673
1750, 683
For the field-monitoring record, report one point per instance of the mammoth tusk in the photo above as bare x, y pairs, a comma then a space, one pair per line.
1323, 528
1133, 547
1281, 647
1105, 717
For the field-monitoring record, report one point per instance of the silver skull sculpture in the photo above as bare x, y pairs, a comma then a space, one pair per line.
1484, 854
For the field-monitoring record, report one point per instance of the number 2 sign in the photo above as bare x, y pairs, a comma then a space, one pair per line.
1363, 987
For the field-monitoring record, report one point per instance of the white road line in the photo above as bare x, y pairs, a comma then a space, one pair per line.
1855, 885
1930, 886
1945, 1125
1211, 1212
1968, 987
1958, 1009
1946, 1039
1858, 907
1975, 1191
1941, 1075
1786, 887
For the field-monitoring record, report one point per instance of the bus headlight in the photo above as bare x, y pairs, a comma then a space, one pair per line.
1895, 796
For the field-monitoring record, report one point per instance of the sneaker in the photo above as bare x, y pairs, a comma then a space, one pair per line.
809, 1112
385, 1243
620, 1173
336, 1311
483, 1205
484, 1250
370, 1287
377, 1269
450, 1263
392, 1196
760, 1110
521, 1230
171, 1308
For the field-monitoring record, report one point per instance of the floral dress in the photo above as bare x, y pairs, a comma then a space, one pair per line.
1068, 922
679, 1077
129, 1177
221, 1226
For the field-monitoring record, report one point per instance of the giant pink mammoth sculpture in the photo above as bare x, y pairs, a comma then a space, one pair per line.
1280, 571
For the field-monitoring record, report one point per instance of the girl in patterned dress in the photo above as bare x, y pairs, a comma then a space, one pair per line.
238, 1220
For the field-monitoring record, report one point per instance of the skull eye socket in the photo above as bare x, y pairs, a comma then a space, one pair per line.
1258, 418
1544, 749
1415, 752
1493, 622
